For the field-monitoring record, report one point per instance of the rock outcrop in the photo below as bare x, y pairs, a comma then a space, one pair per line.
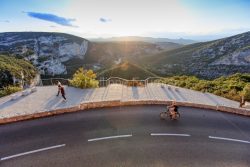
47, 51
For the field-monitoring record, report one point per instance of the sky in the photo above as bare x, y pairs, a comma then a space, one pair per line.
193, 19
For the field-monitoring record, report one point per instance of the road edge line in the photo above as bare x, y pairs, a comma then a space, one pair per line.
31, 152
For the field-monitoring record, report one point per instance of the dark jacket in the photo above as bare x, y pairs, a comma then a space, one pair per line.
60, 89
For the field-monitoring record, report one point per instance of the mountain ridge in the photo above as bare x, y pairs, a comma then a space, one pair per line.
62, 54
181, 41
206, 59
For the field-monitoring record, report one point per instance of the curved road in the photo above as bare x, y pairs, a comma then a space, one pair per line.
128, 136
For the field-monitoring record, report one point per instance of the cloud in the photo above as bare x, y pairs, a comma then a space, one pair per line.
5, 21
104, 20
52, 18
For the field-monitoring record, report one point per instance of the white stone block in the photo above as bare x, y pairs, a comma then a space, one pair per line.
247, 105
14, 96
33, 89
25, 92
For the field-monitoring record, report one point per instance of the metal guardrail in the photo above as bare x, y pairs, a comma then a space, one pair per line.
52, 81
106, 82
117, 80
154, 80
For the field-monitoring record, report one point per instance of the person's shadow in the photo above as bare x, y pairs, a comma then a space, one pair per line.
74, 96
9, 102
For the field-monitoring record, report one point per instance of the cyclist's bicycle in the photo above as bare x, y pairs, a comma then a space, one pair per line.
172, 115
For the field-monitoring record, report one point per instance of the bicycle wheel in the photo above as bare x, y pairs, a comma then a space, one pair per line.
178, 115
163, 115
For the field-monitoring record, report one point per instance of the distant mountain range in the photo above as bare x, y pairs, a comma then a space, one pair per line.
126, 70
144, 39
61, 54
112, 53
206, 59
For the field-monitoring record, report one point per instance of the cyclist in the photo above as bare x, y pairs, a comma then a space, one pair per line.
173, 109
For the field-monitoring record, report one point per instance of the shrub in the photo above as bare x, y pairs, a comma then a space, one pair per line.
9, 90
232, 87
246, 92
84, 79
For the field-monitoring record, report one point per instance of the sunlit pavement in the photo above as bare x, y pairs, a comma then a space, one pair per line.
45, 99
128, 136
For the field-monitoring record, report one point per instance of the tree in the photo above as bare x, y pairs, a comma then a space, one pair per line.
84, 79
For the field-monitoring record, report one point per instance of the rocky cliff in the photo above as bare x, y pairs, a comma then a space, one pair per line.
47, 51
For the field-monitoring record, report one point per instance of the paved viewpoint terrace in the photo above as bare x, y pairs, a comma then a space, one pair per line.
45, 99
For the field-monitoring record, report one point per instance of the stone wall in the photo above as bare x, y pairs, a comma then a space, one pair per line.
115, 103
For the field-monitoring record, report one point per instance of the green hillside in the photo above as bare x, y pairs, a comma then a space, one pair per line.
205, 59
11, 66
231, 87
126, 70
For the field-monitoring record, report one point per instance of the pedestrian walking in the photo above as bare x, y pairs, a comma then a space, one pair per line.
61, 90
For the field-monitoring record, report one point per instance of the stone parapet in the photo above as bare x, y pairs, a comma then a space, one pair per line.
115, 103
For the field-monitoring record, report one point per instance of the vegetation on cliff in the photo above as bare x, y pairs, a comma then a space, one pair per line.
232, 87
11, 67
84, 79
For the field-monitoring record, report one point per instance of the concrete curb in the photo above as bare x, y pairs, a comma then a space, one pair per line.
115, 103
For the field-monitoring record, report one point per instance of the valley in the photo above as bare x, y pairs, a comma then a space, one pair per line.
59, 54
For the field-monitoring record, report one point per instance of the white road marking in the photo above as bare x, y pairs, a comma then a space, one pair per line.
110, 137
229, 139
169, 134
31, 152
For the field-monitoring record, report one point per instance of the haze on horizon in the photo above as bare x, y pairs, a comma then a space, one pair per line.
193, 19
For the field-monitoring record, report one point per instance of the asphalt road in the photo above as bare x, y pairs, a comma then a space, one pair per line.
77, 139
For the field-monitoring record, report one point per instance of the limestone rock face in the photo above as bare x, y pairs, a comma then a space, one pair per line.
47, 51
